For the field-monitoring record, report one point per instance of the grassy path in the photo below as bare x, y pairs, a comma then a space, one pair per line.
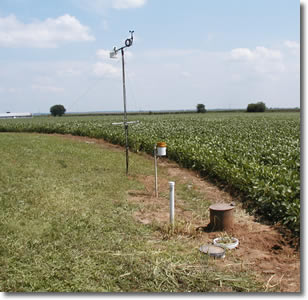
66, 225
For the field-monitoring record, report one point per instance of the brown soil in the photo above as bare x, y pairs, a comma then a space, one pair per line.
262, 248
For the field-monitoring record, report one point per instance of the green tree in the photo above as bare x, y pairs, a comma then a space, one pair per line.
256, 107
57, 110
201, 108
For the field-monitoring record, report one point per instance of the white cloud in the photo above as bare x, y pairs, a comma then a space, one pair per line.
105, 25
42, 34
236, 77
262, 52
292, 44
12, 90
242, 53
102, 69
124, 4
69, 72
102, 6
8, 90
185, 74
103, 54
165, 53
47, 88
105, 66
261, 60
258, 53
293, 47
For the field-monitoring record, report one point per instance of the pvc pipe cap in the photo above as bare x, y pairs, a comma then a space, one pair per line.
171, 183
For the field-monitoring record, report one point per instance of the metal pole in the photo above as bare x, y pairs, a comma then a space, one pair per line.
125, 114
171, 186
155, 166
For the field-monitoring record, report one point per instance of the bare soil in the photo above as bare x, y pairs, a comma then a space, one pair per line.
262, 248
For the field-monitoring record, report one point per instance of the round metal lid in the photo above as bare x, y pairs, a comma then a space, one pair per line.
212, 250
221, 206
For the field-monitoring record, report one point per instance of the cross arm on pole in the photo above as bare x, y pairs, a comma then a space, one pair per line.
122, 123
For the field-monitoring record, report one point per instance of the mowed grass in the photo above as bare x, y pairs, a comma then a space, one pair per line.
66, 225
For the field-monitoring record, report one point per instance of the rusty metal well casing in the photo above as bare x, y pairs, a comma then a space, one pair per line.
221, 217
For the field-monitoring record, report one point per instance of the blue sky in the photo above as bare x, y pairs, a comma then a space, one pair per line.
224, 54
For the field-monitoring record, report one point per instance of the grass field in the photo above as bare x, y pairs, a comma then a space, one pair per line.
66, 225
256, 155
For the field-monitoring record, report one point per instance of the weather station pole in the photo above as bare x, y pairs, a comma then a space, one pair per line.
113, 54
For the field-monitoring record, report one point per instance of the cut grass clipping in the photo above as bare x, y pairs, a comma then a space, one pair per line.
66, 226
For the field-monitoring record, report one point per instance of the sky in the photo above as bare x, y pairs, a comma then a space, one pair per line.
224, 54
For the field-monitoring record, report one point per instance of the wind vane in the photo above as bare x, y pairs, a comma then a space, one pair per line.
113, 54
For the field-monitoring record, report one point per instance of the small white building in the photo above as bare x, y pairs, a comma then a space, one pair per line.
10, 115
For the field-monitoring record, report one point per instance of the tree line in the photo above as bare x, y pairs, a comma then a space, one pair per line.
252, 107
59, 109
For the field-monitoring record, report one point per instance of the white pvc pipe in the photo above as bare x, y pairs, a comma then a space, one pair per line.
171, 187
155, 167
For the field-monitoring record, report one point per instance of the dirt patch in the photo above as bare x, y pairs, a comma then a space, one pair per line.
262, 248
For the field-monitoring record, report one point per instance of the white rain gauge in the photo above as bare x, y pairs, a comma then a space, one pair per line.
159, 150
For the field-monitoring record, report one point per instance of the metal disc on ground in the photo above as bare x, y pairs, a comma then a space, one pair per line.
212, 250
